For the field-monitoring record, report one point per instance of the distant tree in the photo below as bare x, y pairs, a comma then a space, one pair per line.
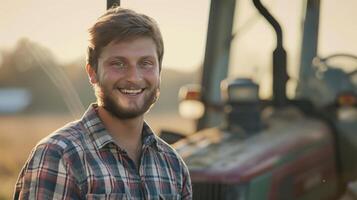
30, 66
79, 78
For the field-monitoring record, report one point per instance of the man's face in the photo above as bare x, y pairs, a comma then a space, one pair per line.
127, 81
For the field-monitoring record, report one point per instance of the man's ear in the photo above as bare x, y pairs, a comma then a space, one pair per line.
92, 75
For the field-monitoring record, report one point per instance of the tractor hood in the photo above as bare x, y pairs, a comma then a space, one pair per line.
216, 155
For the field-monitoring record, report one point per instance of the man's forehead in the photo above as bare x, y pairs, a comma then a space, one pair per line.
131, 39
143, 46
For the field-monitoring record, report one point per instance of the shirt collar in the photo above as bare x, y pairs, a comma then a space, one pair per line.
100, 136
149, 138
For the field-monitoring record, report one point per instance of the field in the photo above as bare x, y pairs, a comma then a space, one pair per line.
18, 135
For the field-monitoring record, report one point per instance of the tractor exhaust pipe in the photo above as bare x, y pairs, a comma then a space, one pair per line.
112, 3
280, 75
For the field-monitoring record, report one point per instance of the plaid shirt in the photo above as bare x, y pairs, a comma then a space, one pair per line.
82, 161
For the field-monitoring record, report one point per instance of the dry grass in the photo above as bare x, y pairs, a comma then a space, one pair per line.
18, 135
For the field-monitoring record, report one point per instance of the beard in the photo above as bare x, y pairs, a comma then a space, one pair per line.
111, 105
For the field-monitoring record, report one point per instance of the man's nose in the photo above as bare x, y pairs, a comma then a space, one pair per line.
134, 74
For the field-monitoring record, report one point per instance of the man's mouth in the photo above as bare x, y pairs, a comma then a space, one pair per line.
131, 91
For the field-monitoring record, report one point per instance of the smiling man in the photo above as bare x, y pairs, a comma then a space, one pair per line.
111, 153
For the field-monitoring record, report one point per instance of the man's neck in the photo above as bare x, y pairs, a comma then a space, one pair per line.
126, 133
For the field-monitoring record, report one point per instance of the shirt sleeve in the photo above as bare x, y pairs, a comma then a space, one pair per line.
187, 186
46, 176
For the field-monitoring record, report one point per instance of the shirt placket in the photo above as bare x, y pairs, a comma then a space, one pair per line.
141, 174
135, 171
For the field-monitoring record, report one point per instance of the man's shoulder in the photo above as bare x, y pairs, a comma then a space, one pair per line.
67, 138
167, 149
176, 164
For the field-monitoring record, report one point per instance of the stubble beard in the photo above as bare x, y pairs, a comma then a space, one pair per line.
116, 110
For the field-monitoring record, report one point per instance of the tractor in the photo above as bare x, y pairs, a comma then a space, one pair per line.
246, 147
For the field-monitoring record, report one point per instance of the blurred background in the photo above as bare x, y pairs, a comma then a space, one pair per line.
43, 84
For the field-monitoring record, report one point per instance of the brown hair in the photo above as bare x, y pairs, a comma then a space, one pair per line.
119, 24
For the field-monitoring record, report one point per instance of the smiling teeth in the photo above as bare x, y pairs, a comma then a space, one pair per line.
126, 91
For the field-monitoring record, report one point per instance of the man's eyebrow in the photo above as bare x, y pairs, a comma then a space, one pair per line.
123, 58
148, 56
116, 58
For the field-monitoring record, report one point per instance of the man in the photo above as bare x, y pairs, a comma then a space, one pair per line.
111, 153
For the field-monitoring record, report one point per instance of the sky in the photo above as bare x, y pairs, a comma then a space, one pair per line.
62, 27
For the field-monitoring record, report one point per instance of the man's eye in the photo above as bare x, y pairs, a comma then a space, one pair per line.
118, 64
147, 64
